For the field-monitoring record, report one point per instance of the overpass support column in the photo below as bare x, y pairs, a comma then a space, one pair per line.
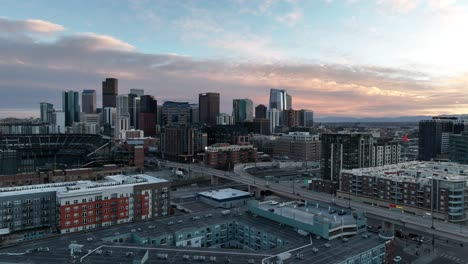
256, 191
388, 231
214, 180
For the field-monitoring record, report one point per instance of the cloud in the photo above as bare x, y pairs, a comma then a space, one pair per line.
34, 71
21, 29
292, 18
94, 42
400, 6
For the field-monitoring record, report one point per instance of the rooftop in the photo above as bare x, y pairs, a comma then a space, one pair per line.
68, 187
100, 251
223, 194
416, 171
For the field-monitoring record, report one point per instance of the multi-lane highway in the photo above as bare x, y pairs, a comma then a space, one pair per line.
443, 229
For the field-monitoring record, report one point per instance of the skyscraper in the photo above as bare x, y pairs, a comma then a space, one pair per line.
242, 110
137, 92
288, 102
71, 107
122, 106
148, 115
273, 116
261, 111
208, 104
279, 99
430, 136
110, 89
148, 104
46, 112
306, 118
176, 113
88, 101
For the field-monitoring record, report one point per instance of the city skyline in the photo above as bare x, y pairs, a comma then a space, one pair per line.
319, 52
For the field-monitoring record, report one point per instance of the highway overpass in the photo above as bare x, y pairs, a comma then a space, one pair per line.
443, 229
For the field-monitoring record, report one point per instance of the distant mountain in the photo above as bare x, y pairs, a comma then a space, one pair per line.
347, 119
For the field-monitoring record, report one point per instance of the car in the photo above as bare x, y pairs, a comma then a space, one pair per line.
397, 259
332, 211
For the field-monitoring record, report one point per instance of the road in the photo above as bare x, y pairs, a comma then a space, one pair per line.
448, 230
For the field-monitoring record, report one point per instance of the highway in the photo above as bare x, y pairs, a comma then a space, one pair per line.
443, 229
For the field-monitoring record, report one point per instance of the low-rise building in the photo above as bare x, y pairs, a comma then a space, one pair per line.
436, 188
225, 198
225, 156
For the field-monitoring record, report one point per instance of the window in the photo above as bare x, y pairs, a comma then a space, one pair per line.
84, 214
67, 202
75, 208
67, 209
75, 201
67, 216
67, 223
83, 200
83, 208
84, 221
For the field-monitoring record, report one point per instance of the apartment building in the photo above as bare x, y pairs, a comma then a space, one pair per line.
436, 188
75, 206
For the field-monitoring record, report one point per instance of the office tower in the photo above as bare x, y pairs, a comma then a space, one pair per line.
274, 117
148, 104
46, 112
176, 113
344, 151
458, 147
110, 90
110, 113
290, 118
137, 92
298, 146
195, 111
122, 123
242, 110
261, 126
122, 106
288, 102
308, 118
71, 107
178, 143
58, 121
224, 119
208, 104
431, 133
136, 107
279, 99
88, 101
261, 111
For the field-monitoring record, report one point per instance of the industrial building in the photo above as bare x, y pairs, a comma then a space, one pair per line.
437, 188
225, 198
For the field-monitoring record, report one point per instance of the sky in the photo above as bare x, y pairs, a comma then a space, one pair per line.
361, 58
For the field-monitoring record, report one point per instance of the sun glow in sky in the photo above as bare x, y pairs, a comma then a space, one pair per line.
336, 57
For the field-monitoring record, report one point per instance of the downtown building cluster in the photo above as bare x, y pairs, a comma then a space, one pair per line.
81, 205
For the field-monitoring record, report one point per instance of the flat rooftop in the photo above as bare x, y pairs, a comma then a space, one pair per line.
308, 214
224, 194
416, 171
328, 251
77, 186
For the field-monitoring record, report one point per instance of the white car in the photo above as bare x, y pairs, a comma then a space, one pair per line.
397, 259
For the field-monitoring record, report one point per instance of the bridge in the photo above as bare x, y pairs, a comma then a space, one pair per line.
437, 228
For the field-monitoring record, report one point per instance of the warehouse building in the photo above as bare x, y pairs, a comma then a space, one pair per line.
225, 198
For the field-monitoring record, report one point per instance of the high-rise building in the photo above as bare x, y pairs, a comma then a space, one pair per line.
430, 136
88, 101
122, 123
71, 107
148, 104
279, 99
110, 113
122, 106
308, 116
110, 90
137, 92
58, 121
132, 109
147, 123
177, 143
261, 126
242, 110
344, 151
136, 107
208, 104
195, 112
458, 147
261, 111
224, 119
176, 113
291, 118
298, 146
274, 117
46, 112
288, 102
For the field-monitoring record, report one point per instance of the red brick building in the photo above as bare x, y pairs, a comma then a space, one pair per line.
225, 156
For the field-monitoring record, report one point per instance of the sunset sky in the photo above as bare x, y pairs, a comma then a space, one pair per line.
337, 57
